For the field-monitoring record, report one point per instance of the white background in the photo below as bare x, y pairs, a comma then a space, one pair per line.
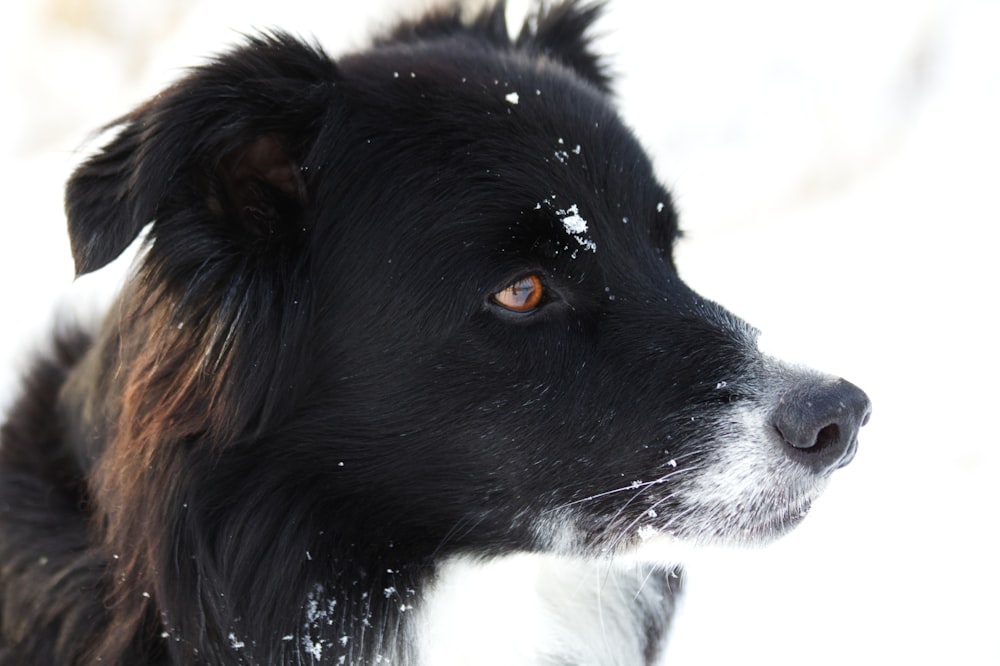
837, 165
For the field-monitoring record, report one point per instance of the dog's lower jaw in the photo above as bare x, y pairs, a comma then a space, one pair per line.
536, 610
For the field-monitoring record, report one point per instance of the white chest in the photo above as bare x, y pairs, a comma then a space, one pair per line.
535, 610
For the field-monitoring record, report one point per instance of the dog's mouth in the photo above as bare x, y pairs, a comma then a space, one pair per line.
704, 524
759, 524
782, 522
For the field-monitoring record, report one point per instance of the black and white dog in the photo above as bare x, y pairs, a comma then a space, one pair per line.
404, 374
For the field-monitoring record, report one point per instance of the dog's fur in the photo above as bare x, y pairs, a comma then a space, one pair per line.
310, 432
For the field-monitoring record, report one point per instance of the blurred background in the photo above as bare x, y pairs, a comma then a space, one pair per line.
837, 168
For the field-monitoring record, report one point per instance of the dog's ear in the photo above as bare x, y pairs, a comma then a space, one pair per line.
225, 145
562, 32
559, 31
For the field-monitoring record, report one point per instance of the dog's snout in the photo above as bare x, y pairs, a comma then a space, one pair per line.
818, 421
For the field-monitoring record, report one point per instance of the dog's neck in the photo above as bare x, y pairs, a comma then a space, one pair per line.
538, 610
526, 609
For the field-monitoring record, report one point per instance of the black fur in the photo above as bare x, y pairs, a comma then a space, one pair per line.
306, 397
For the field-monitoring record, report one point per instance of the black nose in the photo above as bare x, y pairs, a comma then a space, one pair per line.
818, 420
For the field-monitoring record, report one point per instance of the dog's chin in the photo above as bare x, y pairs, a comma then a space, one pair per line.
654, 544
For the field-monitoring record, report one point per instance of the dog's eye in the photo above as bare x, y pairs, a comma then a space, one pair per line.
523, 295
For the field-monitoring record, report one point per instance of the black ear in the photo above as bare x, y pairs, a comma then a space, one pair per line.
558, 31
225, 144
562, 32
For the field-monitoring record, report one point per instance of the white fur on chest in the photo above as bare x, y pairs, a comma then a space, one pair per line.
536, 610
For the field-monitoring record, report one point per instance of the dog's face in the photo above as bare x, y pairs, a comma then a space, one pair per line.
433, 283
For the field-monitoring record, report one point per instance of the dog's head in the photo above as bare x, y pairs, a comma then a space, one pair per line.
429, 287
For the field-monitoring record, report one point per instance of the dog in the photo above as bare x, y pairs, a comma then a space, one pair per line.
403, 373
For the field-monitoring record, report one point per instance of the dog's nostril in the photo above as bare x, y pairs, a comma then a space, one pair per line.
818, 421
827, 436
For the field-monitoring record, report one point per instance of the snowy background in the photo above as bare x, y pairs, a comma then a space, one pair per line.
837, 165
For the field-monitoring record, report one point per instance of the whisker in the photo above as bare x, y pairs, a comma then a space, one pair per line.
622, 532
611, 526
461, 528
635, 485
642, 585
627, 529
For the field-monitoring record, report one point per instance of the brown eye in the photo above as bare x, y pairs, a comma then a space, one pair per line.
524, 295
